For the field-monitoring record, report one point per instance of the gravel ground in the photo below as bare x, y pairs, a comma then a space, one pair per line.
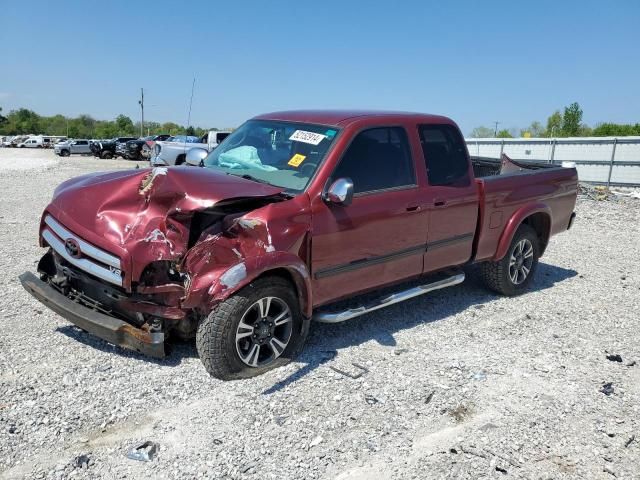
458, 384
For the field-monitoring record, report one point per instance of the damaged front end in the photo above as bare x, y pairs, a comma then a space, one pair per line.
129, 253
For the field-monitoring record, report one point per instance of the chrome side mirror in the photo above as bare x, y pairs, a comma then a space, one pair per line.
196, 156
340, 192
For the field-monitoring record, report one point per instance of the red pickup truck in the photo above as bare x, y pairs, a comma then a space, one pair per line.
292, 214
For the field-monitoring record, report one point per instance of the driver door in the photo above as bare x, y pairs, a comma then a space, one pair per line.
380, 237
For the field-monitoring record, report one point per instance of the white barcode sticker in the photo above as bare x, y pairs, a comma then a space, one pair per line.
307, 137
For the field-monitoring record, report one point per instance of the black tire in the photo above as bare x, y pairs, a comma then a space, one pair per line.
106, 155
180, 159
499, 276
64, 153
216, 337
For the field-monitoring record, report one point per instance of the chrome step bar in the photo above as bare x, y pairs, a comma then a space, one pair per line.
336, 317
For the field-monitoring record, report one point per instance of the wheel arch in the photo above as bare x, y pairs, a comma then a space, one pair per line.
537, 216
209, 289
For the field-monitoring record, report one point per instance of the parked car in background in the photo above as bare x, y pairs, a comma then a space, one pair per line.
121, 145
174, 150
72, 147
111, 148
48, 141
17, 140
293, 213
142, 147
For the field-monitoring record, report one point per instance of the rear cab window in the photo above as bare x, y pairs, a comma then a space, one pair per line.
445, 155
378, 159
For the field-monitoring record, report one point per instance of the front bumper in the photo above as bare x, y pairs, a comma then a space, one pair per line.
111, 329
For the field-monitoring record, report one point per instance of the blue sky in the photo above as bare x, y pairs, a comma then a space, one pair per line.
475, 61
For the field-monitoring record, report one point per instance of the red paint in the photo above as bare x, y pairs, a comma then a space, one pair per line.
143, 216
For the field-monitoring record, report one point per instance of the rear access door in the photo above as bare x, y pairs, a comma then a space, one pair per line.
452, 197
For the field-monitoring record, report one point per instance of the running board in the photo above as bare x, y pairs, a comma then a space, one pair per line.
336, 317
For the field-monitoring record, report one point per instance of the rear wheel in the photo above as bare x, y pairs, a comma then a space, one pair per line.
257, 329
512, 274
106, 154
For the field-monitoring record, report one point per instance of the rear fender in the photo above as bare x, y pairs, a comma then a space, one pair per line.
514, 222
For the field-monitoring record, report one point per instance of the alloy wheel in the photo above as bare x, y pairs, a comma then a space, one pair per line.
264, 331
521, 261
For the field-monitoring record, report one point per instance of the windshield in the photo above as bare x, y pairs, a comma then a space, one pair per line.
279, 153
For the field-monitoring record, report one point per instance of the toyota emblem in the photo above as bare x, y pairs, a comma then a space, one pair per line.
72, 247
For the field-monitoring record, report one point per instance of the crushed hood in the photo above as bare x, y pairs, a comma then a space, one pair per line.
133, 208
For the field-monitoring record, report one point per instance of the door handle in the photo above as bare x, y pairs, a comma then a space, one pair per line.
439, 203
413, 208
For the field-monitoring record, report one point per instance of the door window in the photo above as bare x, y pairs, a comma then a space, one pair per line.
445, 154
378, 159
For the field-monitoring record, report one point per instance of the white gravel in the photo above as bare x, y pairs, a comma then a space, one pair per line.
460, 383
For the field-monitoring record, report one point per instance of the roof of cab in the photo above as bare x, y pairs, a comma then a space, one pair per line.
341, 118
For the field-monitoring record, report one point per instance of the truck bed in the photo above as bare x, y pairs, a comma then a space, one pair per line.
489, 167
508, 190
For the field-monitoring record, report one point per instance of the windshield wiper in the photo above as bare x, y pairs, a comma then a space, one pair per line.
254, 179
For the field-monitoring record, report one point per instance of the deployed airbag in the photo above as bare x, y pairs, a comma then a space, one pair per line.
243, 157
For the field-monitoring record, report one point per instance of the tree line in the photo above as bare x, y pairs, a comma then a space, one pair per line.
24, 121
562, 124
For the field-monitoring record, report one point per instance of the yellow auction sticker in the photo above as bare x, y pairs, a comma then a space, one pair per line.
296, 160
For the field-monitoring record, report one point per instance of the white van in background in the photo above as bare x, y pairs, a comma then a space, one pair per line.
32, 142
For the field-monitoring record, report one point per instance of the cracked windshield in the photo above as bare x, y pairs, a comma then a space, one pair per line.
279, 153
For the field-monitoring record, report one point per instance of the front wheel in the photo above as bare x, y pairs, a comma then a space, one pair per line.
64, 153
257, 329
512, 274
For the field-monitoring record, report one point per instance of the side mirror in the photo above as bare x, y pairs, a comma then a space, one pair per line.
196, 156
340, 192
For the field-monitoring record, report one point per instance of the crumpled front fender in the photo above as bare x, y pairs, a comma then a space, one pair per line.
216, 285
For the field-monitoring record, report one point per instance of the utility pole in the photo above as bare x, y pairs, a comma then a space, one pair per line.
141, 103
495, 131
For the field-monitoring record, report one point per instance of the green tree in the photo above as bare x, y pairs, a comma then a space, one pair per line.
22, 121
150, 128
572, 120
615, 130
504, 133
554, 125
535, 130
55, 125
124, 125
172, 128
106, 130
83, 126
482, 132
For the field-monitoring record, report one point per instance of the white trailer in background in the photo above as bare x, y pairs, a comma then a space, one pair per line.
599, 160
